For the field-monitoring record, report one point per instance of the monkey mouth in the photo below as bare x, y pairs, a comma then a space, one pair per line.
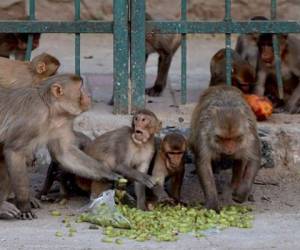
140, 136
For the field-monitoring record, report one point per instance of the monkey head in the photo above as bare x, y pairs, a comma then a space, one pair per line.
243, 77
45, 65
67, 94
173, 148
265, 47
229, 129
144, 126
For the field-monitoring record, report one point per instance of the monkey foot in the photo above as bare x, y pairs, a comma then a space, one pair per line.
167, 200
212, 205
9, 211
154, 91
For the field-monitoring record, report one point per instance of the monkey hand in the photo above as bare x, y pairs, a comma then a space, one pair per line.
147, 180
9, 211
166, 200
112, 176
212, 204
241, 194
35, 203
26, 213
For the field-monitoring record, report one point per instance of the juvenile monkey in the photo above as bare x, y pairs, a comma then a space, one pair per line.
169, 162
128, 151
14, 73
246, 45
290, 69
242, 75
41, 115
223, 125
16, 43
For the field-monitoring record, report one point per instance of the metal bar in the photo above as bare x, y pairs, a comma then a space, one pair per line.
90, 26
277, 53
228, 42
77, 38
137, 52
120, 56
30, 36
56, 27
183, 55
239, 27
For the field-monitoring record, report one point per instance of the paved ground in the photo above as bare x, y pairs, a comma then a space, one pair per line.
277, 217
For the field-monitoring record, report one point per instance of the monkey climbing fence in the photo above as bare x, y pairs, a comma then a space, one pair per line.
129, 28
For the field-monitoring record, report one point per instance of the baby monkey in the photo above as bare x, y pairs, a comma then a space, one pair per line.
169, 163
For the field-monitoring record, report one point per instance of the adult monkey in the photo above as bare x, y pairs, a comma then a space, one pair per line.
33, 116
165, 45
223, 126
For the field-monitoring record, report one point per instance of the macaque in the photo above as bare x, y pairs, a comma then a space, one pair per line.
169, 162
290, 69
16, 43
165, 45
15, 73
43, 115
246, 45
224, 126
242, 75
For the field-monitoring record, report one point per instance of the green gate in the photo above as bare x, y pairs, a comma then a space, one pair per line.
129, 85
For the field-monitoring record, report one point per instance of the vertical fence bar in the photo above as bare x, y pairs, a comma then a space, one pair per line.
137, 58
228, 42
30, 36
121, 56
77, 38
183, 55
277, 52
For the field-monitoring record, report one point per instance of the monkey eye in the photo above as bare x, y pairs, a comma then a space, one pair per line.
218, 138
143, 119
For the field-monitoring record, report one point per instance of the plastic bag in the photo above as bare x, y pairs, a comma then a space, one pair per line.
102, 211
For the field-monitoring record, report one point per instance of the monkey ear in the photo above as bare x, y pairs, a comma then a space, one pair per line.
57, 90
41, 67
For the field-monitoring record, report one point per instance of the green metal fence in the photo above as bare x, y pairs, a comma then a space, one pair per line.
129, 41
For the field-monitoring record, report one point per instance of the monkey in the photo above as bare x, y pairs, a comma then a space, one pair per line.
128, 151
290, 71
16, 43
169, 162
224, 126
14, 73
246, 45
42, 115
165, 45
242, 75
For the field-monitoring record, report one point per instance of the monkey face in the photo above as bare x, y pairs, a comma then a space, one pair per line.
174, 158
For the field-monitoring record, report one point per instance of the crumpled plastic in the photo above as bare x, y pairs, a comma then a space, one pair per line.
102, 211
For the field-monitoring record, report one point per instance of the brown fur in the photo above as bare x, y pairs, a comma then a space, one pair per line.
43, 115
223, 125
169, 162
14, 74
290, 70
242, 75
16, 43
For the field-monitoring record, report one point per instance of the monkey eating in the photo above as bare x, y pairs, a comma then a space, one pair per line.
15, 73
290, 70
127, 151
242, 75
169, 163
42, 115
224, 126
16, 43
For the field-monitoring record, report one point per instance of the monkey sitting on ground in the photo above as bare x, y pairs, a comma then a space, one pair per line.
35, 116
290, 69
246, 45
128, 151
223, 125
14, 74
16, 43
242, 75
